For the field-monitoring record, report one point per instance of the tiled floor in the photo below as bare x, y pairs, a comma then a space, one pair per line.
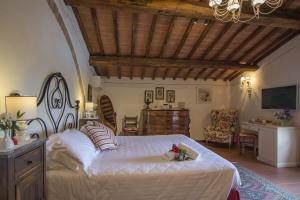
287, 178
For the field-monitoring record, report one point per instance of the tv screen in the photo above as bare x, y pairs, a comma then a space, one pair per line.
280, 98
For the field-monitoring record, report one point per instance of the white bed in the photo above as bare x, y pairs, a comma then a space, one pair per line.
138, 170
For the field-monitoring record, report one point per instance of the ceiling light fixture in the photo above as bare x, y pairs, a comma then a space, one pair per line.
231, 10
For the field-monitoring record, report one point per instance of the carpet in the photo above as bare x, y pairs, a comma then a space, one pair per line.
255, 187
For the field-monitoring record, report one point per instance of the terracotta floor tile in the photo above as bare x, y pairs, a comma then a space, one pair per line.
291, 187
287, 178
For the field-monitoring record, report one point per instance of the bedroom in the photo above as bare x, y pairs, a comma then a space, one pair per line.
39, 38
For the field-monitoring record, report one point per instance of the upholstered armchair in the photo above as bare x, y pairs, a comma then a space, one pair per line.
224, 124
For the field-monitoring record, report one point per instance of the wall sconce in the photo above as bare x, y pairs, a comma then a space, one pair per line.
247, 81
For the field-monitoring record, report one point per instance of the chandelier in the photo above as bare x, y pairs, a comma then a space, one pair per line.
231, 10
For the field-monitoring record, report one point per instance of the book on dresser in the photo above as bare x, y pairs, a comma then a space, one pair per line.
166, 122
22, 172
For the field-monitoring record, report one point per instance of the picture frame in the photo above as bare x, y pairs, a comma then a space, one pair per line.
148, 97
203, 96
90, 93
170, 96
159, 93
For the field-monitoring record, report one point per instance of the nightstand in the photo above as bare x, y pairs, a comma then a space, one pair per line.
22, 172
83, 121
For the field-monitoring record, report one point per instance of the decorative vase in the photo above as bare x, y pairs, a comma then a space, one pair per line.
6, 143
285, 123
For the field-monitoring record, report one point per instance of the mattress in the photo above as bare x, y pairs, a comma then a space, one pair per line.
137, 170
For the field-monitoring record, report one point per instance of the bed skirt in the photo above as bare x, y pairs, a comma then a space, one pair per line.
233, 195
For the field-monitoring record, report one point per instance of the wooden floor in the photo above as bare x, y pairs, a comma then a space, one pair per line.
287, 178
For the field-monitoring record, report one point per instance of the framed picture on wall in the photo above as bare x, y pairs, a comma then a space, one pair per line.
148, 96
203, 96
159, 93
90, 93
170, 96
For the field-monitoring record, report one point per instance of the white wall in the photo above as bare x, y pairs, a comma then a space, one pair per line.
282, 68
32, 45
128, 98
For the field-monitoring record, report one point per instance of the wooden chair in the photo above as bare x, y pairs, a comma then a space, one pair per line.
107, 113
130, 125
248, 138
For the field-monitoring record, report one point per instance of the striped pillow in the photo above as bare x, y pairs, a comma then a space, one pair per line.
102, 136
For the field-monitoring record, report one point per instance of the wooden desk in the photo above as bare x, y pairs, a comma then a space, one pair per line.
277, 145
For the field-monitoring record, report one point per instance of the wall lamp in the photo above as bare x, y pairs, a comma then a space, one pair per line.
247, 81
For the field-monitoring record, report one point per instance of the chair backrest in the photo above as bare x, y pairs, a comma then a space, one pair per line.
107, 113
225, 118
130, 122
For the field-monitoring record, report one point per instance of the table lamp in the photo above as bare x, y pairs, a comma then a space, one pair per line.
26, 105
89, 110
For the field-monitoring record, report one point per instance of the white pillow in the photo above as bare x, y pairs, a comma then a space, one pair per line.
58, 156
73, 144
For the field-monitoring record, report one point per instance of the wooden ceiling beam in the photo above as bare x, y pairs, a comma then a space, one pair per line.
97, 29
229, 41
116, 35
165, 73
82, 29
216, 40
188, 73
119, 72
143, 73
154, 73
166, 39
230, 75
210, 74
185, 9
184, 37
107, 72
257, 31
131, 72
200, 73
260, 42
150, 37
287, 36
133, 32
177, 73
220, 74
235, 76
200, 39
112, 61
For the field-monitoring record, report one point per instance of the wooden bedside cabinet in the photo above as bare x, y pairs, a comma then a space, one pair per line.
22, 172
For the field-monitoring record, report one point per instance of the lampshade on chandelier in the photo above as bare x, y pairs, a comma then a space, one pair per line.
231, 10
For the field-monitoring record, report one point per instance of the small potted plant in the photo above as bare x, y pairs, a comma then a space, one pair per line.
284, 117
7, 124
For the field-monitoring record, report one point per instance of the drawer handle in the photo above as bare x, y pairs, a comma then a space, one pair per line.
29, 162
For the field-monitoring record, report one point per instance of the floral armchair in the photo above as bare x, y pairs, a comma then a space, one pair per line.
224, 123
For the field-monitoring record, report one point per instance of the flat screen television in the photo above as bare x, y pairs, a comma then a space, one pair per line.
280, 98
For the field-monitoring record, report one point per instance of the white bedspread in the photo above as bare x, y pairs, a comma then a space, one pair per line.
137, 171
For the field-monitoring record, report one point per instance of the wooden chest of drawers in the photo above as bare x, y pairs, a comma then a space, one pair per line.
22, 172
166, 122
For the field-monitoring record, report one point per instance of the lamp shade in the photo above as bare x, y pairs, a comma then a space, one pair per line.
24, 104
89, 106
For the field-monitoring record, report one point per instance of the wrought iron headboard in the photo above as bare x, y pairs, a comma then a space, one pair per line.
55, 96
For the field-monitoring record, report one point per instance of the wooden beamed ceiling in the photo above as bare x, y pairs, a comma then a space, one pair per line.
178, 39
